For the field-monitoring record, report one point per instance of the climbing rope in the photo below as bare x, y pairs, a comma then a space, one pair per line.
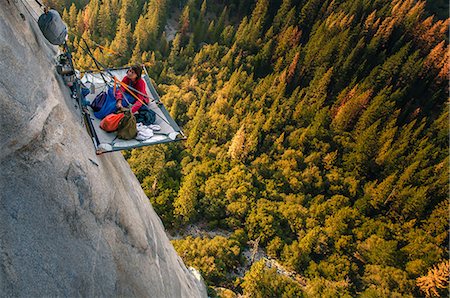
97, 44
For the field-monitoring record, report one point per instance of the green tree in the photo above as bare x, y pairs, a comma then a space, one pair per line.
376, 250
106, 21
185, 204
214, 258
122, 43
261, 282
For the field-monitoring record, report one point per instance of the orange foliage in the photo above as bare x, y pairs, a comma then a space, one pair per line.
292, 68
339, 20
370, 21
428, 34
386, 28
436, 279
343, 97
438, 59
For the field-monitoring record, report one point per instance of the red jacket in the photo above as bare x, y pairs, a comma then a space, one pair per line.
138, 85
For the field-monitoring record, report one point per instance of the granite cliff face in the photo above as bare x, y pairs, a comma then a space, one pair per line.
71, 223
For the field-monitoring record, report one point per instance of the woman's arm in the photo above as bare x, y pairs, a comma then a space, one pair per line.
120, 92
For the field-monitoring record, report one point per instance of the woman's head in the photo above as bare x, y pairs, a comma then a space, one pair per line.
134, 72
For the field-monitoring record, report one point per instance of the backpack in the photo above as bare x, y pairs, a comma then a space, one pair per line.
99, 101
127, 126
53, 28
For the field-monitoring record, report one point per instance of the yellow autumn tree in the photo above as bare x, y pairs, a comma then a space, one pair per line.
435, 283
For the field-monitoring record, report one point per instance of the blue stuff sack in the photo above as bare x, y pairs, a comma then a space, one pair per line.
109, 105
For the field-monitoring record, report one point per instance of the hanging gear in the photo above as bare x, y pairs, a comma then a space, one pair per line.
64, 66
53, 27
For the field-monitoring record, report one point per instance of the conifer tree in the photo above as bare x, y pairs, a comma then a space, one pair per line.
185, 21
65, 16
185, 204
257, 21
236, 149
73, 12
90, 17
199, 125
80, 23
175, 50
219, 27
129, 11
106, 24
281, 16
308, 14
122, 43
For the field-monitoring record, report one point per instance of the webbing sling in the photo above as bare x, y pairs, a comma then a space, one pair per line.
126, 87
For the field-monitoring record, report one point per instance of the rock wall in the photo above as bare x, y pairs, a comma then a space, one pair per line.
71, 223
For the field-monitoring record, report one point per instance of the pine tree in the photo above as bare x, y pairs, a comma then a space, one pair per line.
263, 59
348, 112
313, 97
175, 49
260, 281
280, 18
219, 27
73, 12
106, 24
90, 17
141, 35
185, 204
380, 107
257, 21
122, 43
184, 21
385, 74
237, 146
80, 23
362, 159
129, 11
200, 25
308, 14
65, 16
199, 125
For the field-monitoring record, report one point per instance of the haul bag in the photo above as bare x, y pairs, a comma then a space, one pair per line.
53, 27
127, 129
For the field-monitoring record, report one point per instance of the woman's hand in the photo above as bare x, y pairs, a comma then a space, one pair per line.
119, 104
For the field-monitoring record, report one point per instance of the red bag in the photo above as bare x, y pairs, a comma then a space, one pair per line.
111, 122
